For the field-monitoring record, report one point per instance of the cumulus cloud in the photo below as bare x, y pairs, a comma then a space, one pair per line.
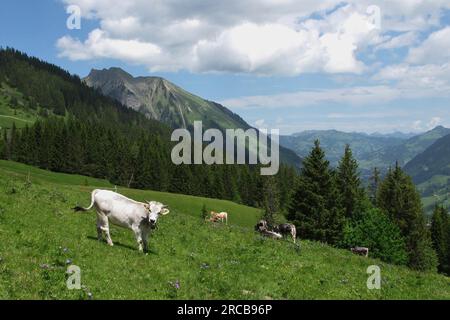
264, 37
420, 125
435, 48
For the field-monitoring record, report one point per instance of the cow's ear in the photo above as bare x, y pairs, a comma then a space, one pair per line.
147, 207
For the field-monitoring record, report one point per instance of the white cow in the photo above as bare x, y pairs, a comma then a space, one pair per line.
121, 211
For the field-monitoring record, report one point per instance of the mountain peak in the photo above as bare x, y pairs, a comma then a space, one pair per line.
161, 100
113, 72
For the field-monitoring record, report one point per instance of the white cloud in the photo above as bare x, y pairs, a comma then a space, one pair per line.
403, 40
261, 123
266, 37
353, 96
429, 79
100, 46
420, 125
436, 49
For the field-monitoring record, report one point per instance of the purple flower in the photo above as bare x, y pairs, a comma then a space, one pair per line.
175, 284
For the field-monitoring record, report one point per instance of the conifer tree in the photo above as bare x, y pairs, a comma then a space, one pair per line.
314, 208
399, 198
374, 182
271, 196
440, 236
349, 184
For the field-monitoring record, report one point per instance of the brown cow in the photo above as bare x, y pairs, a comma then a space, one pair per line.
221, 216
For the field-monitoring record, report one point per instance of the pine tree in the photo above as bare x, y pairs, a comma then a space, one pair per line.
349, 184
271, 203
440, 236
315, 208
3, 145
374, 182
399, 198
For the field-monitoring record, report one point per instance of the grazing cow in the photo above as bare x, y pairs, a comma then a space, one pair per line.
286, 229
221, 216
261, 227
112, 207
362, 251
283, 229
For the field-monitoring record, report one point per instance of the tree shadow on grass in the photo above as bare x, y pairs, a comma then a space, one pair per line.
119, 244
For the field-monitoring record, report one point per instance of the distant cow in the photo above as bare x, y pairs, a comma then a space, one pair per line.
112, 207
219, 216
362, 251
262, 228
286, 229
283, 229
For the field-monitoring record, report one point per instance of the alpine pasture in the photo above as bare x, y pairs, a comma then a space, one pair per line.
40, 236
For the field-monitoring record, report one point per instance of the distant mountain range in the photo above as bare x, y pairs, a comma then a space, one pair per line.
435, 160
430, 170
334, 142
375, 150
164, 101
404, 151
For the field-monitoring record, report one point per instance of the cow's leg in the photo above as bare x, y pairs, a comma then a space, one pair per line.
103, 225
294, 234
100, 223
138, 235
144, 236
108, 236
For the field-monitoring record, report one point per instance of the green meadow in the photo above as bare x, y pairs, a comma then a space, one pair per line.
40, 236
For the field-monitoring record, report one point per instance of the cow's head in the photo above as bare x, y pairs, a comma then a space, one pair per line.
156, 209
261, 225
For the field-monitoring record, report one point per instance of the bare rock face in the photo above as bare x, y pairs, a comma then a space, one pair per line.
161, 100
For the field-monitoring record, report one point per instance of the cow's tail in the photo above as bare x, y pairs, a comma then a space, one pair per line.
81, 209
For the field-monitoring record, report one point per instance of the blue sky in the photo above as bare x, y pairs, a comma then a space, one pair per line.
369, 66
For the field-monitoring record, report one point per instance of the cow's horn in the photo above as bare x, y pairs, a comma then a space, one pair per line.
165, 211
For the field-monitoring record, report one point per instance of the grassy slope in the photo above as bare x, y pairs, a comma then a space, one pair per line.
9, 115
215, 262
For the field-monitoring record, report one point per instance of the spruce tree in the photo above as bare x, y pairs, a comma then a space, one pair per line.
399, 198
349, 184
440, 236
374, 182
3, 145
270, 202
314, 208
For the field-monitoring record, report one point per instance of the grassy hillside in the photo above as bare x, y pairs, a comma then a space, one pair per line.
9, 113
39, 236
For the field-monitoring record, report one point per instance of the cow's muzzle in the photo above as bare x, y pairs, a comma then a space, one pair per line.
152, 223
